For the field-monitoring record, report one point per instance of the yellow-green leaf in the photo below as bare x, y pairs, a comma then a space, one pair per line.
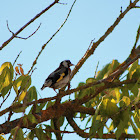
22, 96
108, 107
31, 94
10, 67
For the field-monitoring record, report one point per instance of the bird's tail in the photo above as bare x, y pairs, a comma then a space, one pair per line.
47, 83
43, 87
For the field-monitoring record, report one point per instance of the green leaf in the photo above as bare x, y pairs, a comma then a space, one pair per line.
108, 107
137, 117
50, 104
125, 101
10, 67
96, 125
61, 120
123, 123
17, 83
18, 110
31, 94
22, 96
114, 64
2, 138
40, 134
90, 80
136, 130
89, 119
6, 89
19, 135
5, 79
26, 82
48, 127
132, 69
124, 90
22, 83
120, 129
117, 94
111, 127
32, 118
31, 134
101, 73
82, 116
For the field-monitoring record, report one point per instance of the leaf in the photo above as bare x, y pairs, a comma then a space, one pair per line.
1, 137
103, 72
82, 116
17, 83
120, 129
22, 83
31, 134
49, 104
117, 95
32, 118
111, 127
21, 70
137, 117
19, 135
22, 96
108, 107
124, 90
89, 119
21, 109
114, 64
132, 69
61, 120
136, 130
31, 94
25, 120
6, 89
90, 80
126, 101
40, 134
10, 67
96, 125
17, 70
48, 127
26, 82
5, 79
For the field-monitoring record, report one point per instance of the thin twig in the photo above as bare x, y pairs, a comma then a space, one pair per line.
22, 37
27, 24
137, 37
17, 58
96, 69
5, 98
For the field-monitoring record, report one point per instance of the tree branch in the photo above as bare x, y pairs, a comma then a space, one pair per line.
97, 43
43, 47
22, 37
27, 24
79, 131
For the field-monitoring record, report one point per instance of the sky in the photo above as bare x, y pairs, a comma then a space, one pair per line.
88, 20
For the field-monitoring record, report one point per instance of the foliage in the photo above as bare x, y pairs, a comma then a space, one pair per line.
108, 101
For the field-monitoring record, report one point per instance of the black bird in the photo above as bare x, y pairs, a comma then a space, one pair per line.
60, 77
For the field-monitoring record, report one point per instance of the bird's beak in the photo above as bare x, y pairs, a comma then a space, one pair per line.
71, 64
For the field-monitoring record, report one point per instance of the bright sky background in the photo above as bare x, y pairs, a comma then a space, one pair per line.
89, 19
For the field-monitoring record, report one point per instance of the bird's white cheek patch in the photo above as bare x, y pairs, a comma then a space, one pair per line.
61, 77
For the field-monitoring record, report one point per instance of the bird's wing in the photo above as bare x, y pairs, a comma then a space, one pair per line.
57, 75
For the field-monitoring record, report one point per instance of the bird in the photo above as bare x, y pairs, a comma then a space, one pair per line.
60, 77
